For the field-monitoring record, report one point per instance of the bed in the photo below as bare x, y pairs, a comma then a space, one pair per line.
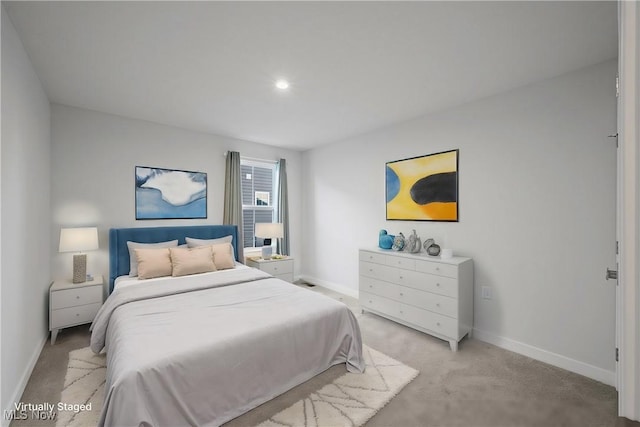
206, 348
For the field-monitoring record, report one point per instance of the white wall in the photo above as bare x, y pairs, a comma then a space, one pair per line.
25, 218
537, 211
93, 161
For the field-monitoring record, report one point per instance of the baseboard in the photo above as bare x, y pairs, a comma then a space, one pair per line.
330, 285
22, 384
590, 371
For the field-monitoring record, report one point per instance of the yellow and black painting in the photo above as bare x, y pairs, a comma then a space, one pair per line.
423, 188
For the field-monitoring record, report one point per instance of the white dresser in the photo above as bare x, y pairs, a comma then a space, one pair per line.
426, 293
281, 268
72, 304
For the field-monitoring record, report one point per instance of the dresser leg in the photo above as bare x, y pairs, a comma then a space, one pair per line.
54, 335
454, 345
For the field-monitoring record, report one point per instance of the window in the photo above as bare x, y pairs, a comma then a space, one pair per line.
258, 197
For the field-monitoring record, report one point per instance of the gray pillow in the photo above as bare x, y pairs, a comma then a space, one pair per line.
193, 243
133, 262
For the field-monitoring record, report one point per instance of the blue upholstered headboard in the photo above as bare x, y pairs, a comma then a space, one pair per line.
118, 238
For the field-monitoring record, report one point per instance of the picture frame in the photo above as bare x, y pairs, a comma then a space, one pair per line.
423, 188
170, 193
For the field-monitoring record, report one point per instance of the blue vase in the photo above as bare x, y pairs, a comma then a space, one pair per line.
385, 241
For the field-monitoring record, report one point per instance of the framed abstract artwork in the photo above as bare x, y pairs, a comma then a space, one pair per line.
170, 194
423, 188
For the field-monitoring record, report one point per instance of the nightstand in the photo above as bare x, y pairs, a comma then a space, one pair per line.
280, 268
72, 304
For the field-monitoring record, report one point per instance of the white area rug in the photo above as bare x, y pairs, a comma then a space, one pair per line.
83, 384
350, 400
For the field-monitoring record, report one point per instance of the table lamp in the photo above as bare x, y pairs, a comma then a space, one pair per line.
78, 240
268, 231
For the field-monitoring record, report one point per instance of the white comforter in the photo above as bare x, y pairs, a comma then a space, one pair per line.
204, 350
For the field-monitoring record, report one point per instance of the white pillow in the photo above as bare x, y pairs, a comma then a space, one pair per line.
133, 262
193, 243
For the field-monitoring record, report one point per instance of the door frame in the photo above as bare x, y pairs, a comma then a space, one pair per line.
628, 207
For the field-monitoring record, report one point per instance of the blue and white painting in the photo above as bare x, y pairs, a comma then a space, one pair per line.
170, 194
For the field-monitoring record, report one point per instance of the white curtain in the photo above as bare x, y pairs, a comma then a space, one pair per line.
233, 199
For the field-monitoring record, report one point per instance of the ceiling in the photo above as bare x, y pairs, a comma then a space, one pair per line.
353, 66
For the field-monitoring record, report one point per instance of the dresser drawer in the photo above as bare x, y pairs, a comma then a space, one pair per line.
425, 319
74, 315
378, 303
437, 268
421, 281
437, 303
378, 287
369, 269
400, 262
72, 297
440, 285
277, 267
372, 257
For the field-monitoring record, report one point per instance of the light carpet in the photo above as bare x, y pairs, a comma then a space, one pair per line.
349, 400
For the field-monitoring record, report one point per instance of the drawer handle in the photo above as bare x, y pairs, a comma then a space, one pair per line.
370, 256
438, 284
438, 304
401, 294
77, 314
438, 323
401, 277
371, 270
371, 286
370, 302
401, 312
437, 268
275, 268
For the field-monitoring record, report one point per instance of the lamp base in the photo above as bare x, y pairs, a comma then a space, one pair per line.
80, 268
266, 252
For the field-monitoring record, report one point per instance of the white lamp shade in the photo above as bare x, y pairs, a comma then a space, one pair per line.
78, 239
267, 230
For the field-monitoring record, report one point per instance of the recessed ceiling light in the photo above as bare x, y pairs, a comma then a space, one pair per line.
282, 84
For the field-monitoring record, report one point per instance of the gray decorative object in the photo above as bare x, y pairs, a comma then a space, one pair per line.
398, 242
414, 243
433, 250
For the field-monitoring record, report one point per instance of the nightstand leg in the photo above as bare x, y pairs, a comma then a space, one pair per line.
54, 335
454, 345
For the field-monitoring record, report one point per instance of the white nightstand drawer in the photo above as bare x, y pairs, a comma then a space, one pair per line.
74, 315
372, 257
276, 268
72, 297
